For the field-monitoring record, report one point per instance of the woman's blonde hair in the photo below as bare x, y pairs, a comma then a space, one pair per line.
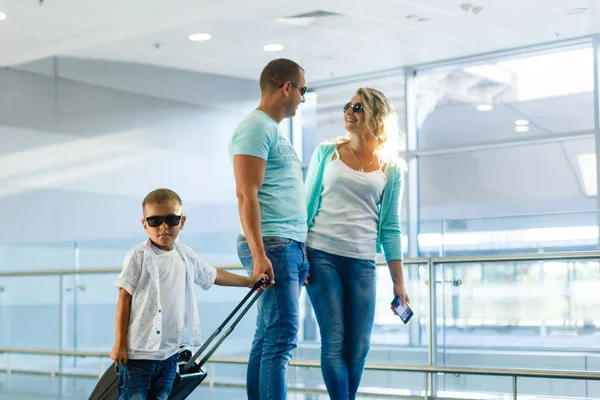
381, 123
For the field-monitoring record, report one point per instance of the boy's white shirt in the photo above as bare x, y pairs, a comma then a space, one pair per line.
141, 279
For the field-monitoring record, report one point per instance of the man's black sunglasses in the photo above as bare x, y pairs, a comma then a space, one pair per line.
157, 220
356, 107
303, 89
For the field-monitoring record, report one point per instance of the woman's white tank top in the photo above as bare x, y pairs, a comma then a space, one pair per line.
347, 220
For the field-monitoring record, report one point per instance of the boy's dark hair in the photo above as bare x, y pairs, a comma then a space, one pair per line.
277, 72
161, 196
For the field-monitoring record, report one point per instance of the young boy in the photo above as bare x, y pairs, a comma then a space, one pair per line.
157, 309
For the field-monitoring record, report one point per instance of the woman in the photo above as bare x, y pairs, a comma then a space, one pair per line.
354, 190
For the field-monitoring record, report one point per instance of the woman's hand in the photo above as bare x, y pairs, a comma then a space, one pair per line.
398, 279
400, 291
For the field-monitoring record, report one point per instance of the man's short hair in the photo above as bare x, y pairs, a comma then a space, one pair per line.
161, 196
277, 72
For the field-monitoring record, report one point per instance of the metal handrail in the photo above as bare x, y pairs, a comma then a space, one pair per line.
90, 271
575, 255
580, 255
518, 372
93, 271
50, 352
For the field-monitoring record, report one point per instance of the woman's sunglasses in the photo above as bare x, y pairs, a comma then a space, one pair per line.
156, 221
356, 107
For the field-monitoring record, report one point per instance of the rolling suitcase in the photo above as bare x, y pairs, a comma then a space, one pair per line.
190, 372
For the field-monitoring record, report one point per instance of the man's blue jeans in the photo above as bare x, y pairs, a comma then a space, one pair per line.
342, 292
147, 379
277, 321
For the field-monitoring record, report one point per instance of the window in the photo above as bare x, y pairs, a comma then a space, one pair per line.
506, 100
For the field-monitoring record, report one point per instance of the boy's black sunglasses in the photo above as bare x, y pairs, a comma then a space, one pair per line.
157, 220
356, 107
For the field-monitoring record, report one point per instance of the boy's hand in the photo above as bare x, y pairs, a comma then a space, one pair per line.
119, 354
254, 279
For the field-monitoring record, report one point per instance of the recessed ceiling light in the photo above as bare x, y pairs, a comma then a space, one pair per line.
200, 37
485, 107
521, 122
2, 16
521, 128
273, 47
576, 11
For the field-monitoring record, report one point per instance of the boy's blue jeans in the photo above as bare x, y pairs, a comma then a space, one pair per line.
342, 292
147, 379
277, 321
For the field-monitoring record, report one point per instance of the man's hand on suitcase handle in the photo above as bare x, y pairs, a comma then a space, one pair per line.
263, 266
259, 282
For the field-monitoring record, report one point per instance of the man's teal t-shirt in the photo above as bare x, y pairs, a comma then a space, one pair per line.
281, 196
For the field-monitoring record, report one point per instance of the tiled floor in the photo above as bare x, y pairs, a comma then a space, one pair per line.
31, 387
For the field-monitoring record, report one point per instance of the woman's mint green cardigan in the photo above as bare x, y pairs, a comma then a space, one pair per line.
388, 230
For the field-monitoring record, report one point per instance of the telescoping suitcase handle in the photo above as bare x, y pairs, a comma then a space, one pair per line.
257, 294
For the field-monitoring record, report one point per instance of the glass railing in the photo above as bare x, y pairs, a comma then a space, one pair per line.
516, 311
527, 233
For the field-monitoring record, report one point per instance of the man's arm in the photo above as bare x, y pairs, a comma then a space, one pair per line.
249, 175
119, 350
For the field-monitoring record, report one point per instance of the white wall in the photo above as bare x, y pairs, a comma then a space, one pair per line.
79, 152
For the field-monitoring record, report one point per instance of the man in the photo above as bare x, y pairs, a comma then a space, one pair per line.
272, 208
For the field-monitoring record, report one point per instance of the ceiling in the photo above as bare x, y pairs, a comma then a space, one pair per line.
366, 36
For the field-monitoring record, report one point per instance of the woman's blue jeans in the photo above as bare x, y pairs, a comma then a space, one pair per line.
342, 292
